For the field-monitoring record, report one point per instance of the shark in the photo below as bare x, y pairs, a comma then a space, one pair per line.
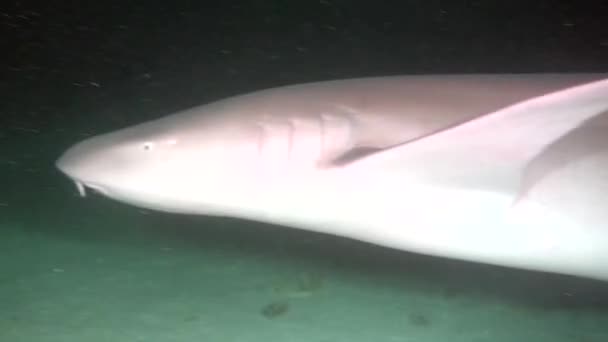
501, 169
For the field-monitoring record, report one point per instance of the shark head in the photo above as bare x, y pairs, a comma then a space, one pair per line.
193, 162
246, 155
237, 157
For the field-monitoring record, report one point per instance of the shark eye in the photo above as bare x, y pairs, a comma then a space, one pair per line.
148, 146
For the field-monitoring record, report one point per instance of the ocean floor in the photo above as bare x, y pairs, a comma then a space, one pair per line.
93, 270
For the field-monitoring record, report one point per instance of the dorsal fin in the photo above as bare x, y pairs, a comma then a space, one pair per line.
493, 151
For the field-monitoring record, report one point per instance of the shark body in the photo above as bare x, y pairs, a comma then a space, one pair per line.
509, 170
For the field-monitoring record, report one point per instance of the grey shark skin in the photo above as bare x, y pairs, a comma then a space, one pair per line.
500, 169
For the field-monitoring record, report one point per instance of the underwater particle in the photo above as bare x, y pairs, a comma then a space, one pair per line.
275, 309
419, 320
191, 318
304, 285
309, 282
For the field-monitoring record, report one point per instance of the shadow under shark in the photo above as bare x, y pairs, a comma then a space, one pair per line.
509, 170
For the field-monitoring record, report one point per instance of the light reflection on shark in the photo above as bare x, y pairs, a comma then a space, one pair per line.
509, 170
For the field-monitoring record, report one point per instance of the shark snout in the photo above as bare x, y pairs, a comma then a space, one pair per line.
68, 168
83, 169
71, 163
81, 184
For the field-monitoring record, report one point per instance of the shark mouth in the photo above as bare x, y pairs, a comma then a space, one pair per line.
82, 191
82, 188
